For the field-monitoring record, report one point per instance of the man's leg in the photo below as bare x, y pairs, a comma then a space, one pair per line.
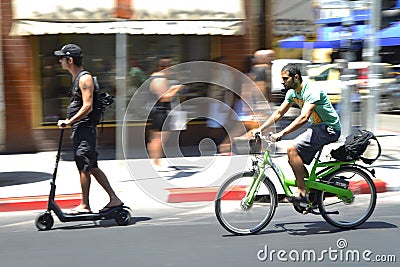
84, 176
297, 165
85, 185
155, 147
101, 178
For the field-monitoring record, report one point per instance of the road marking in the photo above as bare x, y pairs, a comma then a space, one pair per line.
16, 224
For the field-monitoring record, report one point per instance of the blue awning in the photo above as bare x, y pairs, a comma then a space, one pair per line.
389, 36
332, 37
355, 32
292, 42
299, 41
326, 44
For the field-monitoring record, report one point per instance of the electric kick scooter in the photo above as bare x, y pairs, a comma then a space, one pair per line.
45, 221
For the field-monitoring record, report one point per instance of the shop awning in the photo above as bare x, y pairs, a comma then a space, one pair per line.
293, 42
206, 17
299, 41
389, 36
355, 32
215, 27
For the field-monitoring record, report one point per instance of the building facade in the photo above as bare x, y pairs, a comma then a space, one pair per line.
116, 36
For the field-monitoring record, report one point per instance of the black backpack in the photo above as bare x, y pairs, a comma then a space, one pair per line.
101, 100
354, 146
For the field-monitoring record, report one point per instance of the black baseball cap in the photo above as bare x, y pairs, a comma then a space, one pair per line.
69, 50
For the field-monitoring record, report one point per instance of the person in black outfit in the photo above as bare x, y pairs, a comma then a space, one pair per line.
164, 91
83, 128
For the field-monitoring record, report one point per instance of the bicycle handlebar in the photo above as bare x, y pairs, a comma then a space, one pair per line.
258, 135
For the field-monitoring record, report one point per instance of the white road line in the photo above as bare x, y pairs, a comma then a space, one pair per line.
17, 224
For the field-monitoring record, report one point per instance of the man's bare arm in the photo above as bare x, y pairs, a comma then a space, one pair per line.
276, 116
304, 116
87, 91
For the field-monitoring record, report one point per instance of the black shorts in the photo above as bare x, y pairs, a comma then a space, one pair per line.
313, 139
84, 147
159, 115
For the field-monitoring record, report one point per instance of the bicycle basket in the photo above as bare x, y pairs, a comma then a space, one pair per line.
255, 145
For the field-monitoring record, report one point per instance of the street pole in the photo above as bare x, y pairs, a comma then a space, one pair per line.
373, 57
120, 77
346, 110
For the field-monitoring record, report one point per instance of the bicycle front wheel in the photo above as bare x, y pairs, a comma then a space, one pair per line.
238, 217
348, 213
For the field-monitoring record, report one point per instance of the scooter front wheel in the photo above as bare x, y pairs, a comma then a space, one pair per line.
123, 218
44, 221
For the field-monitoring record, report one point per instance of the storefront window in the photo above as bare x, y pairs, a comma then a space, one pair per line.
99, 58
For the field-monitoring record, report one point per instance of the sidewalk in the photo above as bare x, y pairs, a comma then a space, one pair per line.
24, 178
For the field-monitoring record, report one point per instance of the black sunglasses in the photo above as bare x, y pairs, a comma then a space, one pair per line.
285, 78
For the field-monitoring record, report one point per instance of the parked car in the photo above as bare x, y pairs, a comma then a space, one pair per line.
328, 78
389, 98
389, 86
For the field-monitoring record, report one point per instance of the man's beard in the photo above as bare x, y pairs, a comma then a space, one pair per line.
284, 90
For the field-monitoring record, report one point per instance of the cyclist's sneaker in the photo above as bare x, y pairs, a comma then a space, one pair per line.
298, 199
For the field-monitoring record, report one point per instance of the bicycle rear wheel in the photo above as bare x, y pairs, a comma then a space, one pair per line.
353, 212
234, 215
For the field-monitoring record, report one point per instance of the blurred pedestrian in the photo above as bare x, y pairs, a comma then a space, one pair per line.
84, 128
261, 71
242, 115
163, 90
136, 73
220, 105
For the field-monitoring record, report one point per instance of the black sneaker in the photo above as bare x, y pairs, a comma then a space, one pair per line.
298, 199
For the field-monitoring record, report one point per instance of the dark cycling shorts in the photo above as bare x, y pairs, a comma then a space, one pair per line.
84, 147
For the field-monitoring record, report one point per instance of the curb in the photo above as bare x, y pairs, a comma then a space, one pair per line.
198, 194
65, 201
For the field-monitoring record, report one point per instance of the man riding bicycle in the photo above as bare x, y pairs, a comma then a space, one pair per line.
316, 107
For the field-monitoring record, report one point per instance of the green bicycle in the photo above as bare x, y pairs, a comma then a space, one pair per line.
343, 192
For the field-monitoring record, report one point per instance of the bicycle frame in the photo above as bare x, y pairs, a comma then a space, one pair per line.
312, 182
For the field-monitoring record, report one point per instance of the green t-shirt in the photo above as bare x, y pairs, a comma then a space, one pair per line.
323, 112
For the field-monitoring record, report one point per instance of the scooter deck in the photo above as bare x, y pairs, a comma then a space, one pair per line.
108, 215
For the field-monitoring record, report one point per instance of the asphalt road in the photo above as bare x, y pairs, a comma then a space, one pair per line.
193, 237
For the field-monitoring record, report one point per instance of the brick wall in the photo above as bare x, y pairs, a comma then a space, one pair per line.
18, 86
237, 49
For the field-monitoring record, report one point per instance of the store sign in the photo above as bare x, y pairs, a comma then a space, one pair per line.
71, 10
293, 18
341, 32
103, 10
206, 17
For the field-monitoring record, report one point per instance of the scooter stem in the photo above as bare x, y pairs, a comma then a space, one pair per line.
58, 154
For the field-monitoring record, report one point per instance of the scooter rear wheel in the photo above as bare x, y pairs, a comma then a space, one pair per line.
44, 221
123, 218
